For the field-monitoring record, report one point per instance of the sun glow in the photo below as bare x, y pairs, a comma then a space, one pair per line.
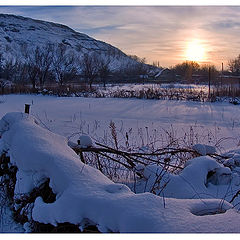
195, 51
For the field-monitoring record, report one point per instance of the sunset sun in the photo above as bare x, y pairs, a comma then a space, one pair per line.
195, 51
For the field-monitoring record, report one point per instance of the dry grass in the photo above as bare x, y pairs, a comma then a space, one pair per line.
157, 92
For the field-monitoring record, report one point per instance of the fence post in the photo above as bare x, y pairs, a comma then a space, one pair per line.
27, 108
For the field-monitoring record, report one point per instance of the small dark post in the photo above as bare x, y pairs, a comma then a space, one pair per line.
27, 108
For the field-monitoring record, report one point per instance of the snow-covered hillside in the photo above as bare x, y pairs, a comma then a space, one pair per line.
18, 33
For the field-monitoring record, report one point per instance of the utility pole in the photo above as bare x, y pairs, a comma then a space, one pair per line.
222, 74
209, 82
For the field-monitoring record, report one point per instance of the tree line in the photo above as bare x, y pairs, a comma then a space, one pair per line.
58, 64
188, 69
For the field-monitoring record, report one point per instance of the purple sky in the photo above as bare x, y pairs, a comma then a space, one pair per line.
159, 33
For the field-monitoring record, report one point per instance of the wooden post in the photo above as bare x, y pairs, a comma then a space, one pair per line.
27, 108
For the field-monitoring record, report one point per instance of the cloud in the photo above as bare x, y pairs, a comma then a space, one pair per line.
159, 33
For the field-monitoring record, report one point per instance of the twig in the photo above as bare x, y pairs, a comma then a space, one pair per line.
125, 165
236, 194
81, 156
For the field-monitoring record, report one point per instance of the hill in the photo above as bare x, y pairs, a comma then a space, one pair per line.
19, 33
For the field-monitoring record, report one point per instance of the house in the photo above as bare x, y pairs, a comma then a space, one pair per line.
165, 75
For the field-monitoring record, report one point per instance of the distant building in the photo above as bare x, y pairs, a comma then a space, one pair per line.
165, 75
199, 78
229, 80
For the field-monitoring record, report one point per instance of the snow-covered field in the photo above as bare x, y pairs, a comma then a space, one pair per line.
208, 123
193, 201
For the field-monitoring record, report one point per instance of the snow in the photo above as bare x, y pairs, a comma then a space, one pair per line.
203, 149
154, 86
84, 193
75, 117
85, 141
159, 73
193, 181
209, 123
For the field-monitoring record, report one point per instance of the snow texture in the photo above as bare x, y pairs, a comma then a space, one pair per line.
85, 194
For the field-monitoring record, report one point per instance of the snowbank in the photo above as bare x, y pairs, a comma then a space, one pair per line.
202, 177
85, 194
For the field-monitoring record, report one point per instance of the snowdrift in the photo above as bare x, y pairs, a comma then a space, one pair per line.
202, 177
85, 195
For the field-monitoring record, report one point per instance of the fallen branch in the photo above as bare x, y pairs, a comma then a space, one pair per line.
132, 158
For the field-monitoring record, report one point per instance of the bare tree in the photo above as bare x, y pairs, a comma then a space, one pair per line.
1, 64
234, 65
3, 84
186, 69
103, 68
141, 67
44, 59
64, 64
32, 73
8, 68
135, 68
90, 67
32, 70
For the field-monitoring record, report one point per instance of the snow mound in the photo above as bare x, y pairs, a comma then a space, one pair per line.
203, 149
233, 160
85, 141
85, 194
210, 208
202, 177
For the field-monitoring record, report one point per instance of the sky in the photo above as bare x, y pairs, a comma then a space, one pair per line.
165, 34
